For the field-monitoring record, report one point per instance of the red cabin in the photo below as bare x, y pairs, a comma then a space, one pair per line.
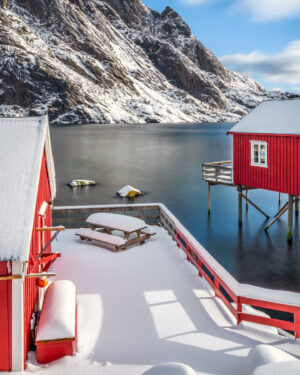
266, 147
27, 191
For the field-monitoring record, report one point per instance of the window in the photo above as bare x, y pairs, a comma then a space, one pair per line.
259, 152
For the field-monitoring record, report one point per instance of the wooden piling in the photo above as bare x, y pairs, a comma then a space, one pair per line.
254, 205
247, 200
296, 206
240, 198
279, 198
278, 215
208, 203
290, 218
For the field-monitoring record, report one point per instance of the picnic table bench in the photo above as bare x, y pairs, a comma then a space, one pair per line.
108, 239
103, 224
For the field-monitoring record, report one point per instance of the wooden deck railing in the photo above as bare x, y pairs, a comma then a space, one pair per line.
226, 288
219, 172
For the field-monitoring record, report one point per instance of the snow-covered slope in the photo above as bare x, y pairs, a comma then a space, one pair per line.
113, 61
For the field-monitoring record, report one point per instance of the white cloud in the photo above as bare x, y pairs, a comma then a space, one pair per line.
270, 10
260, 10
196, 2
283, 67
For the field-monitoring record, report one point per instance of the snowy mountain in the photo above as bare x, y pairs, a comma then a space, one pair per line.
113, 61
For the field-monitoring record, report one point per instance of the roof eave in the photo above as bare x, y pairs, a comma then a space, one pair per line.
49, 159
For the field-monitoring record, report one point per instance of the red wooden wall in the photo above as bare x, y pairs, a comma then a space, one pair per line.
30, 285
5, 319
283, 172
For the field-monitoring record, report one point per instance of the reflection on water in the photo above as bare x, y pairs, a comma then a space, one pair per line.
165, 163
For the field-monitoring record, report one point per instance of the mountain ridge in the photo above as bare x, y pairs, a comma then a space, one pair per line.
114, 61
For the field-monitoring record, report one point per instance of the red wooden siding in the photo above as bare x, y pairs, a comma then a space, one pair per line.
30, 285
283, 154
5, 319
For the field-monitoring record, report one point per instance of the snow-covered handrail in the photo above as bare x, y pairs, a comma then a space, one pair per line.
227, 288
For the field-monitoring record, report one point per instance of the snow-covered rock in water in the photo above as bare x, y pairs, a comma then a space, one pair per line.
58, 313
113, 61
75, 183
171, 368
129, 192
262, 355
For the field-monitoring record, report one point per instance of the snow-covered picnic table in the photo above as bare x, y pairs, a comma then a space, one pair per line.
103, 224
122, 223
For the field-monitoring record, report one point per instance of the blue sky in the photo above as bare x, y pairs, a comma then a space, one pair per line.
258, 37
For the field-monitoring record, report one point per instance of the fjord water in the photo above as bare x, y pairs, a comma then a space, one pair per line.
164, 161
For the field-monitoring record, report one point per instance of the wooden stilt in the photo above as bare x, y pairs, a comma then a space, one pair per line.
240, 206
296, 206
254, 205
247, 200
278, 215
290, 218
208, 203
279, 198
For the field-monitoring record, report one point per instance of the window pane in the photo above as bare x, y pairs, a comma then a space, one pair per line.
259, 153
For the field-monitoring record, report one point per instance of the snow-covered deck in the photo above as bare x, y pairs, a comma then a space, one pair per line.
148, 305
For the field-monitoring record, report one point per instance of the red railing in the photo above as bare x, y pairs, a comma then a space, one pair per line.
225, 293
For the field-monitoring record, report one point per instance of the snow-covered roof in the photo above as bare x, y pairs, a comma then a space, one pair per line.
22, 143
271, 117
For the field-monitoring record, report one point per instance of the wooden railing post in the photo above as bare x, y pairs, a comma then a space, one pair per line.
297, 324
188, 254
217, 288
200, 271
239, 310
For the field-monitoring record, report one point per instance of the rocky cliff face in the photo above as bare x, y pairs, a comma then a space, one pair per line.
113, 61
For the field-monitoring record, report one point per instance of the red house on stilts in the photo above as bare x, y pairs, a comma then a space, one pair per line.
266, 152
266, 155
266, 147
26, 194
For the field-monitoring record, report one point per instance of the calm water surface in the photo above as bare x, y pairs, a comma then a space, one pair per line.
165, 162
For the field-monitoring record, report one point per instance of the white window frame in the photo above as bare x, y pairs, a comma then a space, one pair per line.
259, 163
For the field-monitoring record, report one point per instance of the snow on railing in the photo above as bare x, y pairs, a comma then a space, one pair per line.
230, 291
233, 294
219, 172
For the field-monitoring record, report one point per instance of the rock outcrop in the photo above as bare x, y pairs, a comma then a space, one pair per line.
113, 61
